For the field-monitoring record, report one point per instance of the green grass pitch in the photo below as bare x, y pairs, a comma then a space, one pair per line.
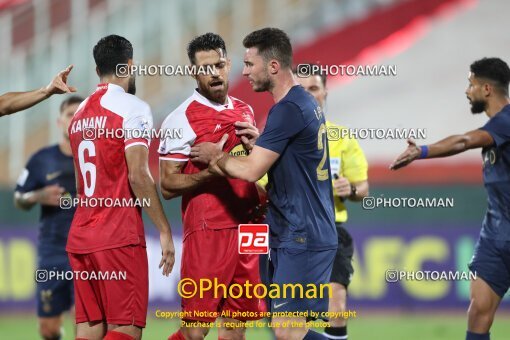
395, 326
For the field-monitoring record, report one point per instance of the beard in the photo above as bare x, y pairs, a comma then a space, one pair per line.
217, 96
132, 86
478, 106
263, 85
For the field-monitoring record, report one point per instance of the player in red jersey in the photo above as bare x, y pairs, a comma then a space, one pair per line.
108, 239
212, 206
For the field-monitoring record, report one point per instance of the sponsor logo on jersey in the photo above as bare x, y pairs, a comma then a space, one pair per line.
238, 150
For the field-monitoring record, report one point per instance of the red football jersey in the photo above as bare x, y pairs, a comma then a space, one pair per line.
222, 202
102, 169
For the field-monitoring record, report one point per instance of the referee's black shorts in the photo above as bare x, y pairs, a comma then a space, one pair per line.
342, 266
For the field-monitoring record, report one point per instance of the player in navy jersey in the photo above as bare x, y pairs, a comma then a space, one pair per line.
293, 150
487, 92
49, 175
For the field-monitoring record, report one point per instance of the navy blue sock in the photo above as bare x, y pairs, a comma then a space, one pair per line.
311, 335
477, 336
57, 337
337, 333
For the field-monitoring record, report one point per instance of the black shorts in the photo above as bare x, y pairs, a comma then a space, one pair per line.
342, 266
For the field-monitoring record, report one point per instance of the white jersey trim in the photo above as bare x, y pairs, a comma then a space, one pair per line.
165, 158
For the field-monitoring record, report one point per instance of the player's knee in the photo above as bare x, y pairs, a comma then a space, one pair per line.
480, 312
479, 307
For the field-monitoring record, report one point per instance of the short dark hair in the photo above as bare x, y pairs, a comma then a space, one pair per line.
205, 42
493, 69
272, 43
111, 51
70, 101
315, 70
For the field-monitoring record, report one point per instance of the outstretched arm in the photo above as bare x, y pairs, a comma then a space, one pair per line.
17, 101
449, 146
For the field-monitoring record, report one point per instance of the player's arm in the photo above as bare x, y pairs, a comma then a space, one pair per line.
49, 195
32, 189
174, 183
250, 168
17, 101
446, 147
143, 186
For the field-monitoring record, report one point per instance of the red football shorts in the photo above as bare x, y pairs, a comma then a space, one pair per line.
210, 254
114, 301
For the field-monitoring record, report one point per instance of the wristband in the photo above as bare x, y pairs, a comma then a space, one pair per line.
424, 151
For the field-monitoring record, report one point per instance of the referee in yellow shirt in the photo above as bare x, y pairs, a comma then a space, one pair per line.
349, 170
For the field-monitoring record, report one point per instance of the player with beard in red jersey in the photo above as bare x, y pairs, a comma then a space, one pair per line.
212, 206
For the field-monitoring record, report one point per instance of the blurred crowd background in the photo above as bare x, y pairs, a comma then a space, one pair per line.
431, 42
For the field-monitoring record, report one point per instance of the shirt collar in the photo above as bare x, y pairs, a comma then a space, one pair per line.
111, 87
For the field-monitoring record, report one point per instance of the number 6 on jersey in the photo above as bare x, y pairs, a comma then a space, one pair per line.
87, 167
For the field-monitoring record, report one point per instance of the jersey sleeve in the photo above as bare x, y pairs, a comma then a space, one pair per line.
29, 179
138, 127
176, 146
283, 122
354, 163
499, 128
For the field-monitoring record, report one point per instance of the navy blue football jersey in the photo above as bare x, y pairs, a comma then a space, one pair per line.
496, 177
301, 211
46, 167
